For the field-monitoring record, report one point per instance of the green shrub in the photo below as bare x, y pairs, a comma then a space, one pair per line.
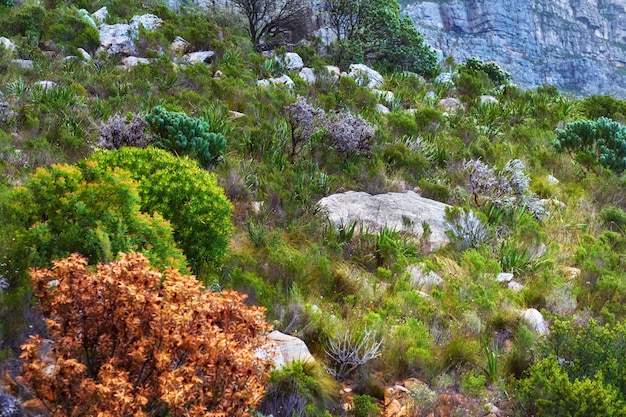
594, 107
365, 406
614, 218
495, 73
26, 20
66, 26
185, 194
183, 135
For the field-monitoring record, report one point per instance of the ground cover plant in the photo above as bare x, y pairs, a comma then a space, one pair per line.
200, 169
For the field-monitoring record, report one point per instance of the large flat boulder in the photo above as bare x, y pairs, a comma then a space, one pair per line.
284, 349
397, 211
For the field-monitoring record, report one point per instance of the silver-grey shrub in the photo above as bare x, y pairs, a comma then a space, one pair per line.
116, 132
349, 133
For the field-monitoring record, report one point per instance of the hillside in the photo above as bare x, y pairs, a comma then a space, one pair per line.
444, 241
579, 46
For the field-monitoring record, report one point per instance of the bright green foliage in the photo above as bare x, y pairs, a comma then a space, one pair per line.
602, 139
594, 107
365, 406
549, 392
26, 21
375, 31
493, 70
184, 135
65, 209
186, 195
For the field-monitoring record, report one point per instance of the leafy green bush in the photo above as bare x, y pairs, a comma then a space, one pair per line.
183, 135
495, 73
67, 26
300, 389
364, 406
594, 107
185, 194
603, 140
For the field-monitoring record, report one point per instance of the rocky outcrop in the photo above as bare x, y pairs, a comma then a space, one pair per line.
285, 349
120, 38
577, 45
397, 211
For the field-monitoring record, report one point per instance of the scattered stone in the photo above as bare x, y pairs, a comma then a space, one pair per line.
69, 58
25, 64
444, 78
46, 85
396, 211
100, 15
450, 104
84, 54
87, 17
387, 96
120, 38
485, 99
515, 286
292, 62
382, 109
307, 75
552, 203
504, 277
179, 45
414, 75
366, 76
552, 180
218, 75
197, 57
282, 81
572, 272
334, 71
234, 115
535, 321
148, 21
286, 349
7, 44
420, 278
133, 61
431, 95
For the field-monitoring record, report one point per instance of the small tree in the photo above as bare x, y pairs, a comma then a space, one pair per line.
274, 18
304, 120
130, 341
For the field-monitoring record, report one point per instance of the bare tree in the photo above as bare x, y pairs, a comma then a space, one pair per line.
274, 18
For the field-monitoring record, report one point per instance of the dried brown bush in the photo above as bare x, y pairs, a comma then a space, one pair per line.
130, 341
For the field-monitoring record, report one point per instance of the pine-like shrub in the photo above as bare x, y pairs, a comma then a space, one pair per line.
184, 135
186, 195
127, 340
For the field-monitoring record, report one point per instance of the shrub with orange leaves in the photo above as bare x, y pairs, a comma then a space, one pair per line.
130, 341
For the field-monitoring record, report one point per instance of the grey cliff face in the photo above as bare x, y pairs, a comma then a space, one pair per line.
577, 45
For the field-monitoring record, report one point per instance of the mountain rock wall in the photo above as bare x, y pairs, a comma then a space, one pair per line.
577, 45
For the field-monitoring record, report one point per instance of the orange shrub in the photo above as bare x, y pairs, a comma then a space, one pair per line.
130, 341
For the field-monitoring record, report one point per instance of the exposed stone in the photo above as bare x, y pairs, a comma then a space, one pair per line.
515, 286
365, 76
218, 75
307, 75
571, 272
234, 115
575, 45
535, 321
87, 17
399, 211
120, 38
387, 96
420, 278
287, 349
282, 81
46, 85
100, 15
7, 44
552, 180
504, 277
333, 70
292, 61
444, 78
450, 104
382, 109
485, 99
197, 57
431, 95
133, 61
179, 45
23, 63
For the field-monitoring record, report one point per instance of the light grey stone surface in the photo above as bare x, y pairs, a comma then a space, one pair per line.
197, 57
285, 349
535, 321
366, 76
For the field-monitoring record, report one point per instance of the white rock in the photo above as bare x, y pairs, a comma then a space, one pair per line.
444, 78
535, 321
197, 57
515, 286
431, 95
120, 38
7, 44
100, 15
419, 278
84, 54
293, 62
450, 104
46, 85
388, 96
552, 180
148, 21
88, 18
504, 277
333, 70
366, 76
307, 75
382, 109
398, 211
133, 61
179, 45
285, 349
485, 99
282, 81
23, 63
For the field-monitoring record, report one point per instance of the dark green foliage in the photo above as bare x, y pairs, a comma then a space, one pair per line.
66, 26
614, 218
602, 139
594, 107
183, 193
496, 74
365, 406
26, 20
374, 31
184, 135
7, 3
